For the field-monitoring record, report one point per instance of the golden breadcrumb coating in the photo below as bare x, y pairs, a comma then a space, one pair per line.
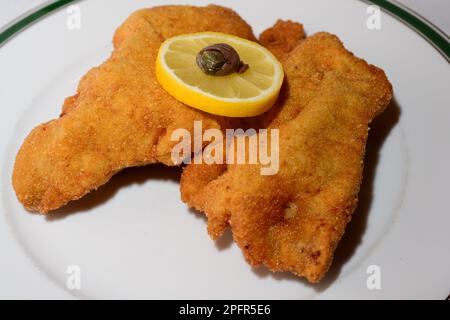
282, 37
293, 220
120, 116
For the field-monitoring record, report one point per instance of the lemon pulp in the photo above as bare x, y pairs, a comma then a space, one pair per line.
236, 95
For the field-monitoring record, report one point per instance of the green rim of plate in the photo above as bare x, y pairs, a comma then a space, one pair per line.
29, 18
427, 30
418, 24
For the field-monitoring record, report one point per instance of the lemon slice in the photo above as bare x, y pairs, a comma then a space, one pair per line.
244, 94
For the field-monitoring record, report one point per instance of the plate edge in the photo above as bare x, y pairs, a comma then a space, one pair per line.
432, 34
25, 20
427, 30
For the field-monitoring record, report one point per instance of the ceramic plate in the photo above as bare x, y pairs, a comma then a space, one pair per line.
134, 238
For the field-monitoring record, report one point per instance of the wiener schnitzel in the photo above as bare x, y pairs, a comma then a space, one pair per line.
120, 117
293, 220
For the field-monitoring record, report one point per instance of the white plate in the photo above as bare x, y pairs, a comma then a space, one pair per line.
134, 238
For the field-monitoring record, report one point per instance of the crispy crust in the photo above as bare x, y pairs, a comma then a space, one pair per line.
282, 37
292, 221
120, 116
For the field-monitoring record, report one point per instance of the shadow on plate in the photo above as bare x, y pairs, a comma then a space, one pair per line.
124, 178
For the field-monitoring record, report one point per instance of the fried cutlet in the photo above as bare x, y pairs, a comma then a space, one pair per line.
120, 116
293, 220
